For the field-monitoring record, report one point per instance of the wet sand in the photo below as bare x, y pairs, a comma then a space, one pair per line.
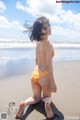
67, 98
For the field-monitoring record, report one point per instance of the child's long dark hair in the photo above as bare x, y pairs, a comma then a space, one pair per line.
34, 31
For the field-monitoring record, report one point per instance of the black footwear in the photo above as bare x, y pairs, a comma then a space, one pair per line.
18, 117
50, 118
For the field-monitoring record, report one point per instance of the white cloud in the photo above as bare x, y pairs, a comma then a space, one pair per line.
2, 6
39, 7
20, 6
45, 7
65, 23
4, 23
70, 33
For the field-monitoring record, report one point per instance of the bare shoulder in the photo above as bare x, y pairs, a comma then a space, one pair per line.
49, 45
37, 44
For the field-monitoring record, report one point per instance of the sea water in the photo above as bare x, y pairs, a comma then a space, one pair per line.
21, 60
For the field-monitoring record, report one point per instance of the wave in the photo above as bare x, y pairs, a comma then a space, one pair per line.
4, 60
33, 45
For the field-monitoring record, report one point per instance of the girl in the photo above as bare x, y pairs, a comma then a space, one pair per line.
42, 79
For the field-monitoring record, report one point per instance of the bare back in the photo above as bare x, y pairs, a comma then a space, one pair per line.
41, 54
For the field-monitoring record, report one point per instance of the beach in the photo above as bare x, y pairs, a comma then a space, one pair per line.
66, 99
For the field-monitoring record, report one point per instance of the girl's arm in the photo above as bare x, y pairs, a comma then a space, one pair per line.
36, 60
49, 61
49, 65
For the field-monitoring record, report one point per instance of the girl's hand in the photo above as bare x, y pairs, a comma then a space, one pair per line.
53, 87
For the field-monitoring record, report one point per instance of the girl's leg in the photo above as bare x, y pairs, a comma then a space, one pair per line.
31, 100
46, 88
36, 94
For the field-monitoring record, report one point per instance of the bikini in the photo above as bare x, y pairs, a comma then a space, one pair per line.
37, 74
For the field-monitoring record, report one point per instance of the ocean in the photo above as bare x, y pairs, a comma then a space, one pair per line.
20, 59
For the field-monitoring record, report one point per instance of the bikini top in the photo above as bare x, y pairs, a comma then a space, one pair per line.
53, 53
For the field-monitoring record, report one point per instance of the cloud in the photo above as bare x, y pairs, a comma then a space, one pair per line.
20, 6
37, 7
65, 23
2, 6
68, 32
4, 23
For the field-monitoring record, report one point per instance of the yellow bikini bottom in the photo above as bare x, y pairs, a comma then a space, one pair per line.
36, 74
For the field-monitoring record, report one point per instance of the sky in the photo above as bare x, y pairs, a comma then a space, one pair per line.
64, 19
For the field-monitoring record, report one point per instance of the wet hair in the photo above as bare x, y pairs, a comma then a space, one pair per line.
35, 31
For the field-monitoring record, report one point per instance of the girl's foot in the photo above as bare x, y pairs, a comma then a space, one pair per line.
19, 113
18, 118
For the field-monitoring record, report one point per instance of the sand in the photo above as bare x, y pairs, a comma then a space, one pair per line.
66, 99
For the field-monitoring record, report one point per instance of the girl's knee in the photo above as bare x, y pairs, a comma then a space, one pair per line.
22, 104
37, 98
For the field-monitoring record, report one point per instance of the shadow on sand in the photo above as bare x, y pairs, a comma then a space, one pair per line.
40, 108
